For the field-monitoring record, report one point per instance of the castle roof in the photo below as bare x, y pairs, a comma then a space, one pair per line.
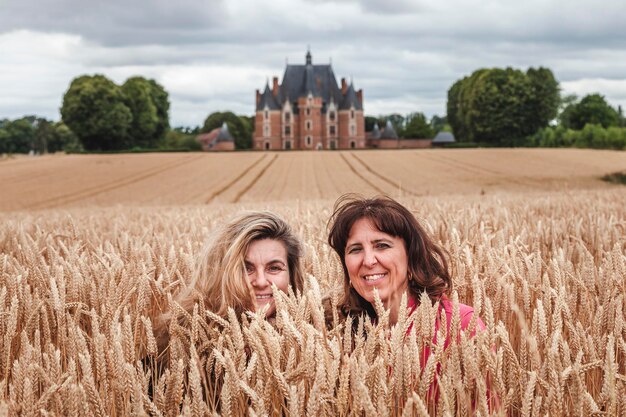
224, 135
444, 137
268, 99
219, 134
389, 132
375, 133
302, 80
350, 99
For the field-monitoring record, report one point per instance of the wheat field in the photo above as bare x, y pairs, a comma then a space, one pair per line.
83, 282
58, 181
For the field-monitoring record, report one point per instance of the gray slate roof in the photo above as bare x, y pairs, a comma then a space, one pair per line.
444, 137
300, 80
389, 132
268, 99
375, 133
224, 135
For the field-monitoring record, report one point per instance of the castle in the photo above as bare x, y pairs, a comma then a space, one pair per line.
309, 111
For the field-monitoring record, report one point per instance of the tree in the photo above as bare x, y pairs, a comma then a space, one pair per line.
44, 136
417, 127
94, 109
370, 121
502, 106
17, 136
544, 103
438, 123
566, 105
160, 99
239, 127
138, 98
593, 109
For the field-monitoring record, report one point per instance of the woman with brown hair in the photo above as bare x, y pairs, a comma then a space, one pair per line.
383, 247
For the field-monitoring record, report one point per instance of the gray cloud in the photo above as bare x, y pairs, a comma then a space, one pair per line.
212, 55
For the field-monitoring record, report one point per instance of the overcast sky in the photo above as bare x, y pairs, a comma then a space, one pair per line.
211, 54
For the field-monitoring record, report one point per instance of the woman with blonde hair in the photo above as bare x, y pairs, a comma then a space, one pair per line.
236, 270
238, 267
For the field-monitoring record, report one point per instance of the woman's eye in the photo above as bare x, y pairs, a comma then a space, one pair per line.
275, 268
354, 250
382, 246
249, 269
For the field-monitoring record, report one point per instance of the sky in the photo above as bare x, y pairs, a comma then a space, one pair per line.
211, 55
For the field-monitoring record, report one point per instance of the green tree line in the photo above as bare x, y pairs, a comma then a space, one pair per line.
509, 107
37, 135
412, 126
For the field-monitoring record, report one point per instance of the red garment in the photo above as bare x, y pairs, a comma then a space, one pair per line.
465, 312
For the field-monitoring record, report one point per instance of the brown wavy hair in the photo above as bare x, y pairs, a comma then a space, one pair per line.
427, 269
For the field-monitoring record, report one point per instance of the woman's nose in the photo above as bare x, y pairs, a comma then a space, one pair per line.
369, 258
260, 280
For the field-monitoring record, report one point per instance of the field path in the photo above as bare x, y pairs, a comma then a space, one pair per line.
229, 184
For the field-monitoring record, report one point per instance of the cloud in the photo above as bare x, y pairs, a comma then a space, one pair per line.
211, 55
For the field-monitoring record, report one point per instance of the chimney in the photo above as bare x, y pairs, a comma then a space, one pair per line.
258, 97
344, 86
359, 95
275, 86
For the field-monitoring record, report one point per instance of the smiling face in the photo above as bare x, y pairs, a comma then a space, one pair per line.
266, 264
375, 259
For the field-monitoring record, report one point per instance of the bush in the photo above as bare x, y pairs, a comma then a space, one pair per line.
591, 136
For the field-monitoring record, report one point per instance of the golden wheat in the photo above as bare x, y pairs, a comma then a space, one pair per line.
80, 291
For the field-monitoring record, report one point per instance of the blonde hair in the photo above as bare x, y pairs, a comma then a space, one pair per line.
219, 280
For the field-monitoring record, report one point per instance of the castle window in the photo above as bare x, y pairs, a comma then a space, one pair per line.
333, 144
287, 117
308, 111
287, 130
287, 144
266, 114
331, 116
266, 131
308, 141
308, 125
352, 130
352, 114
332, 130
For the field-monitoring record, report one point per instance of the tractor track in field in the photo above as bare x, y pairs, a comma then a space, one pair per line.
80, 195
255, 179
389, 181
475, 169
225, 187
365, 180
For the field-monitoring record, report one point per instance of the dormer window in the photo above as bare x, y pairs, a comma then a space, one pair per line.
331, 116
287, 117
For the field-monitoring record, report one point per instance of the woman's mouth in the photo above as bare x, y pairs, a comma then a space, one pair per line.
264, 296
372, 278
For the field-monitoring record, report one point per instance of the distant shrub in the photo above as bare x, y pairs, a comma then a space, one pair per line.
591, 136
